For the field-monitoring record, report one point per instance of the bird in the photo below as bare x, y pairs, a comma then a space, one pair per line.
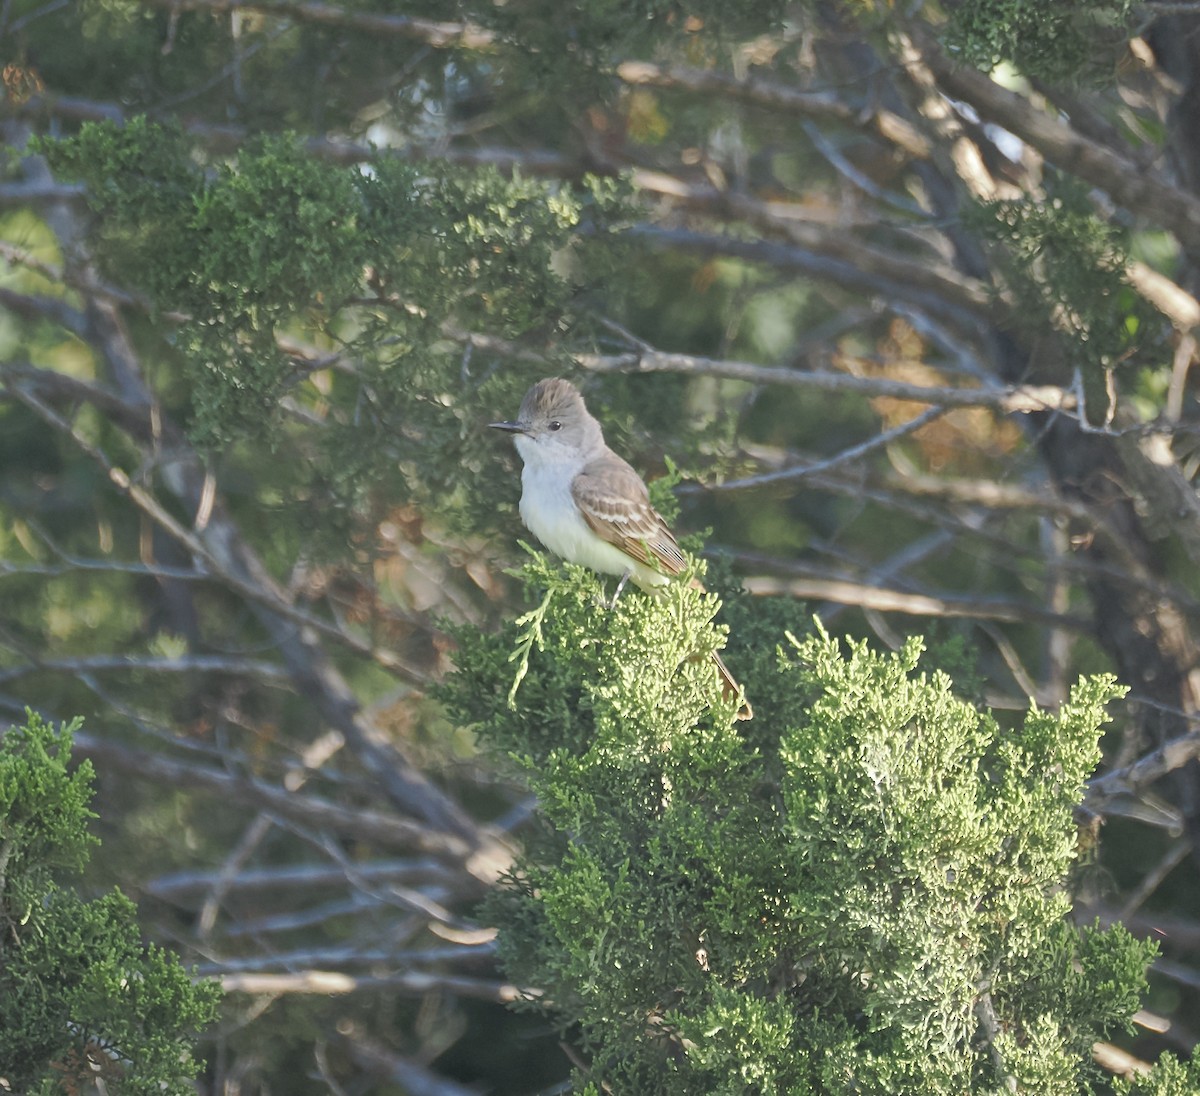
587, 505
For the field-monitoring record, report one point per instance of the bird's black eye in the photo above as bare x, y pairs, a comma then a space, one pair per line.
556, 425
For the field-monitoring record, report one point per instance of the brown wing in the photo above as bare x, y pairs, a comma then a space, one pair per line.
613, 500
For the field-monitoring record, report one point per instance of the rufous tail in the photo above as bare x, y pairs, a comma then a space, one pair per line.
732, 688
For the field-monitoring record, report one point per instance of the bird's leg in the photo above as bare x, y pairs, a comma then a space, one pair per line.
620, 586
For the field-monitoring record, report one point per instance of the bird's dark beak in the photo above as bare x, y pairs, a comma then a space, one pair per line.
510, 427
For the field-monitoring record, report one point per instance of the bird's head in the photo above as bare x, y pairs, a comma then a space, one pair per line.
553, 424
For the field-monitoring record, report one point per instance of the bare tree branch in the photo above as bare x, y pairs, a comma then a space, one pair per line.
415, 1078
293, 920
417, 983
875, 278
776, 96
1168, 757
22, 194
180, 886
187, 664
1128, 182
1008, 399
18, 382
985, 1013
222, 548
387, 831
438, 35
1119, 1062
349, 957
1178, 972
788, 221
227, 138
846, 456
901, 601
54, 309
990, 494
1175, 855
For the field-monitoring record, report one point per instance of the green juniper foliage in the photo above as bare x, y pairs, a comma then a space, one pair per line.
1065, 270
378, 272
75, 978
1078, 41
1170, 1077
562, 53
861, 890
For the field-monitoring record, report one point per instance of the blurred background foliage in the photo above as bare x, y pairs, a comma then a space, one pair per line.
916, 321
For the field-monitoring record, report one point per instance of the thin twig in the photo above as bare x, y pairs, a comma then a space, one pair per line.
417, 983
1007, 399
846, 456
439, 35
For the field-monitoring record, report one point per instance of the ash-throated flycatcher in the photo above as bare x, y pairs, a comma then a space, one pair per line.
585, 503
